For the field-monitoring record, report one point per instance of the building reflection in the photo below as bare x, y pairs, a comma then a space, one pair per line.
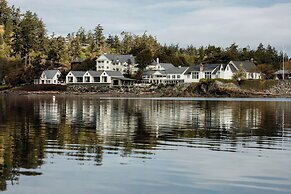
86, 128
109, 117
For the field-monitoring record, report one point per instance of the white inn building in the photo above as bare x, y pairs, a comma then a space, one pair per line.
122, 63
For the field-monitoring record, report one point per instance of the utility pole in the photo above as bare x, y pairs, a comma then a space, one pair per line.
283, 65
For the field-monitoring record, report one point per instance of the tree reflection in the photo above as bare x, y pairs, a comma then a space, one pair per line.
31, 128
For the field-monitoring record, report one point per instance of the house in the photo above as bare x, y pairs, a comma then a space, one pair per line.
164, 73
232, 67
92, 77
110, 78
202, 71
111, 62
74, 77
157, 66
49, 77
176, 74
286, 73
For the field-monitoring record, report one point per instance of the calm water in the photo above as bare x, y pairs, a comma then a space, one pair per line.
89, 145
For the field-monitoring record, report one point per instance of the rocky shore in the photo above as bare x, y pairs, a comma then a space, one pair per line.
210, 88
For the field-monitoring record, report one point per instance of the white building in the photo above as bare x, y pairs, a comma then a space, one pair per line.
110, 78
164, 73
222, 71
232, 67
122, 63
157, 66
197, 72
49, 77
74, 77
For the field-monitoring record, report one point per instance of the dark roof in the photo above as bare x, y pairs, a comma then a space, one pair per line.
246, 65
176, 70
232, 68
166, 65
78, 73
149, 72
206, 67
114, 73
50, 73
193, 68
210, 67
95, 73
120, 58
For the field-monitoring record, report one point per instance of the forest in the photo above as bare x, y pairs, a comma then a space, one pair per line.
26, 48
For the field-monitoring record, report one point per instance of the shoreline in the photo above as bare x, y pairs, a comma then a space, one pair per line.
134, 95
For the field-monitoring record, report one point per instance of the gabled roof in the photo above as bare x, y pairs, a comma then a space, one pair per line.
120, 58
50, 73
114, 73
193, 68
166, 65
281, 72
233, 68
95, 73
210, 67
176, 70
78, 73
246, 65
206, 67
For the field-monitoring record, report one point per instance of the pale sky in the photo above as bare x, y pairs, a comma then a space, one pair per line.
197, 22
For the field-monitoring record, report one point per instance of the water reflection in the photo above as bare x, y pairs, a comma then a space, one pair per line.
86, 129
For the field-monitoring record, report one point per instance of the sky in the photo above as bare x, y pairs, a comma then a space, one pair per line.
183, 22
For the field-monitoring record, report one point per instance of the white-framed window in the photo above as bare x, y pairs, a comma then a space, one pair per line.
70, 79
174, 76
178, 76
208, 75
195, 75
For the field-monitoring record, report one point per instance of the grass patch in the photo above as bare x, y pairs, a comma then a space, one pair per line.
42, 87
258, 85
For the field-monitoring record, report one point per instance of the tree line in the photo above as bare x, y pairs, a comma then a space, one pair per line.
26, 48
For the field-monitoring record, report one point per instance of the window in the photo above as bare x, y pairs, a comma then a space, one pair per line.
97, 79
178, 76
174, 76
168, 76
208, 75
104, 79
70, 79
195, 75
87, 79
79, 79
107, 67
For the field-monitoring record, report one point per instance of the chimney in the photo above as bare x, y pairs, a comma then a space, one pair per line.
201, 67
158, 61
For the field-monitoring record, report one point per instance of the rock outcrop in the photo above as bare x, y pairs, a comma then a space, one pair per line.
282, 88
